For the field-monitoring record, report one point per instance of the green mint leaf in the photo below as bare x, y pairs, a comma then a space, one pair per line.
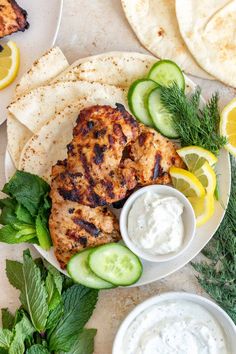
79, 303
14, 271
5, 338
33, 294
43, 232
40, 264
8, 234
84, 344
23, 215
8, 216
8, 202
34, 241
55, 316
37, 349
25, 228
28, 189
67, 283
57, 276
47, 203
8, 319
23, 329
54, 297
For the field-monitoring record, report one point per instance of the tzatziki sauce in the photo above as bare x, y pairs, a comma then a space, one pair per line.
155, 223
175, 327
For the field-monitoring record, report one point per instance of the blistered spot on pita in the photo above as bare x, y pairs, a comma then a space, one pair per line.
161, 32
230, 46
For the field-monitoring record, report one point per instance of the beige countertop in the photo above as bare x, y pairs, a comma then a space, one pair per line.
91, 27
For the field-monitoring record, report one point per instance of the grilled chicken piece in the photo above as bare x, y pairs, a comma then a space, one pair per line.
12, 18
151, 156
94, 174
74, 226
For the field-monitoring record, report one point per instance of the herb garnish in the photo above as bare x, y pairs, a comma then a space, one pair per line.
26, 211
194, 124
218, 276
53, 314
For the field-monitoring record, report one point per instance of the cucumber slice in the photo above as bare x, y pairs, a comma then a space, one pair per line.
165, 72
137, 99
162, 119
80, 272
116, 264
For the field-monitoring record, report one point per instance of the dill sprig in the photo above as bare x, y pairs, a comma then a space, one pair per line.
195, 123
218, 275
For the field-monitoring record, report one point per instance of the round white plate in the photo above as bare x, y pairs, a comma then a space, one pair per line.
154, 271
44, 19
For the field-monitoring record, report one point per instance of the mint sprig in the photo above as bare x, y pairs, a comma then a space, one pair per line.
25, 212
53, 314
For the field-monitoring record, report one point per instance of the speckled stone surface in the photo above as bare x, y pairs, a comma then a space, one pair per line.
92, 27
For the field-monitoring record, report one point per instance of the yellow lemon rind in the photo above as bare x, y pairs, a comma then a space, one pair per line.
209, 209
223, 125
12, 73
190, 178
201, 152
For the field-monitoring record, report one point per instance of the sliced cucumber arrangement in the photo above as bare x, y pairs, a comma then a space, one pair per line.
162, 119
80, 272
137, 99
165, 72
116, 264
144, 97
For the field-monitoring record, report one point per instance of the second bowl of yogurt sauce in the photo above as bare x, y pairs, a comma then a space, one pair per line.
157, 223
176, 323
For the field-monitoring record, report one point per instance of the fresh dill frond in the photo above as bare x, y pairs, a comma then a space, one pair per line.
218, 275
195, 123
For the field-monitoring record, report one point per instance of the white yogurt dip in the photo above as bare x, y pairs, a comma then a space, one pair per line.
155, 223
175, 327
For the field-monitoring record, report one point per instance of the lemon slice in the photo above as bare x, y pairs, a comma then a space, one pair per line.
195, 156
9, 63
186, 182
204, 208
206, 175
228, 126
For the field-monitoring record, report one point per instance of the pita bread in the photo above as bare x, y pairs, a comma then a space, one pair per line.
48, 146
114, 68
43, 70
17, 135
208, 29
40, 105
155, 24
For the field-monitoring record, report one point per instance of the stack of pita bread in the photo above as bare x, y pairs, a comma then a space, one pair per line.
198, 35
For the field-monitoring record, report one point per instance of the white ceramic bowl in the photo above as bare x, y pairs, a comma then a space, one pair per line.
220, 315
188, 217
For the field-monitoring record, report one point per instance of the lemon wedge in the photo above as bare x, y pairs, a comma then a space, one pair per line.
204, 208
186, 182
9, 63
195, 156
228, 126
206, 175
